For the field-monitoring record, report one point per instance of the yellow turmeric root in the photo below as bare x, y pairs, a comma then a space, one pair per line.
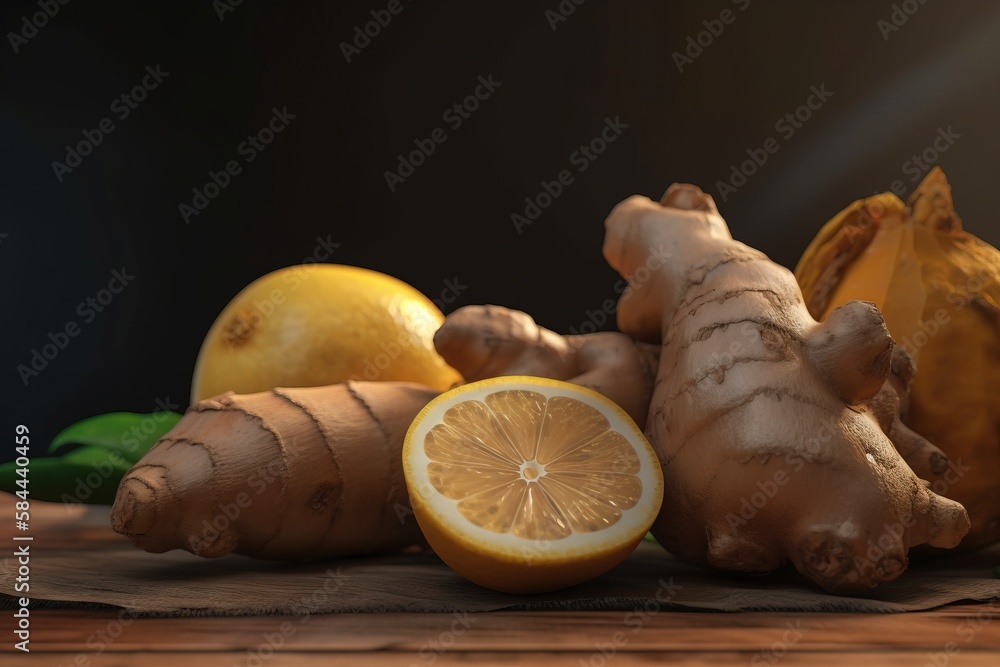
316, 472
767, 423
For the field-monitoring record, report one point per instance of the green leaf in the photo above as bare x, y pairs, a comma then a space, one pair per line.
131, 434
649, 538
85, 475
111, 444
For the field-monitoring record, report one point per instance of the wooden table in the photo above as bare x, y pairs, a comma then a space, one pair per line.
969, 632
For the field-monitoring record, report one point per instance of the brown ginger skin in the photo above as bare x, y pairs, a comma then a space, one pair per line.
889, 408
314, 473
489, 341
767, 423
292, 474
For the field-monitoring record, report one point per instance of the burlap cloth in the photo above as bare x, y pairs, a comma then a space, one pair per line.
105, 570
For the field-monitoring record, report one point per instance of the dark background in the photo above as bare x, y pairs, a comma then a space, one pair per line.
451, 220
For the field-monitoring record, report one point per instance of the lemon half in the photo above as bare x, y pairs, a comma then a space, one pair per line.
525, 485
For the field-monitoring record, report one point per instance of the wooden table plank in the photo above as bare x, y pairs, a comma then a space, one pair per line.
967, 626
588, 659
581, 639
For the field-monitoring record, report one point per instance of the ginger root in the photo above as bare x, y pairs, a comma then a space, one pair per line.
285, 474
489, 341
316, 472
767, 423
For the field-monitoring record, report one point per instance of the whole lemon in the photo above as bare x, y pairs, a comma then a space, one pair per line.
319, 324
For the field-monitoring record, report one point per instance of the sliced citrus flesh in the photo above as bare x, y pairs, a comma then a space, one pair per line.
525, 485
